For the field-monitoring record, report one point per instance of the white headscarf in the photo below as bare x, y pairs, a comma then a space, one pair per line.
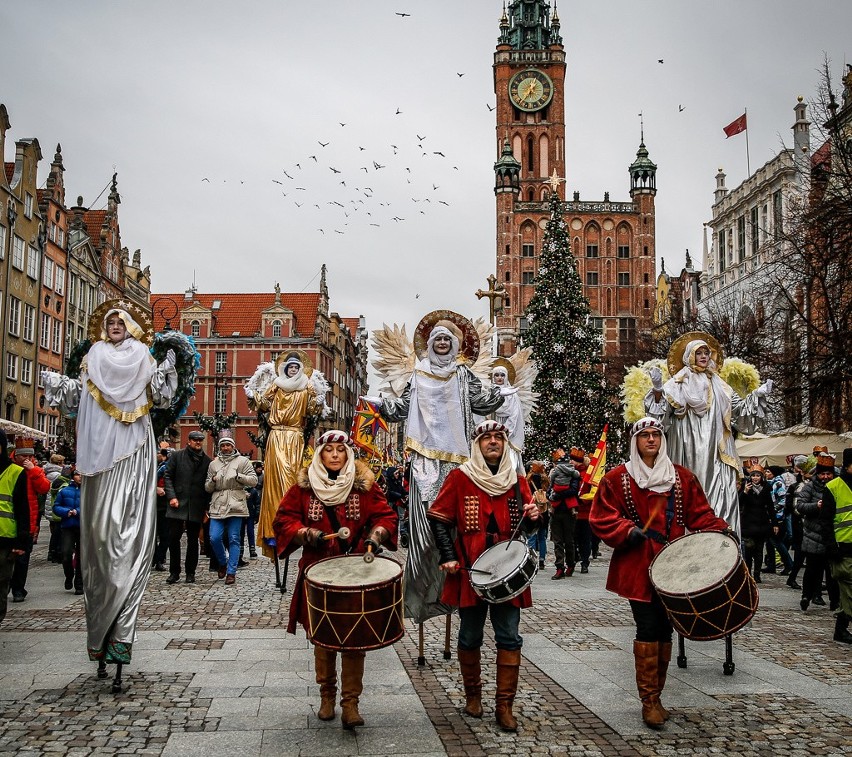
510, 413
332, 491
291, 383
701, 386
477, 470
661, 477
442, 365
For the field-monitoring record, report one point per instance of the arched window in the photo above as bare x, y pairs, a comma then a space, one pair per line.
276, 328
543, 150
195, 328
530, 154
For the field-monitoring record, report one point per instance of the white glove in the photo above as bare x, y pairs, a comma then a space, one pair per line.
169, 360
764, 389
375, 400
656, 379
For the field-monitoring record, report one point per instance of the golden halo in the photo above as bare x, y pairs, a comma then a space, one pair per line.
502, 362
675, 356
469, 347
138, 314
307, 366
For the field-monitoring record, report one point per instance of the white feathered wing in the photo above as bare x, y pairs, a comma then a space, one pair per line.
395, 359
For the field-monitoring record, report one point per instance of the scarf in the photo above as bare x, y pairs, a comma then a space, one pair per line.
495, 484
442, 365
330, 491
701, 386
291, 383
661, 477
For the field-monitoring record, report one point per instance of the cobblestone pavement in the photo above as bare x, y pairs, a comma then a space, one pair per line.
214, 673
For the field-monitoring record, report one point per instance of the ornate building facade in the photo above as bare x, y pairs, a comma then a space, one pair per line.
613, 241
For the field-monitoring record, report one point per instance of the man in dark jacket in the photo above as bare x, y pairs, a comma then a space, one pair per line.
837, 510
14, 530
563, 496
184, 477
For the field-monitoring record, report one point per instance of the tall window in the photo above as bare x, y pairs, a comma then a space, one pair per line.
591, 278
220, 400
722, 250
741, 239
221, 362
14, 316
29, 323
592, 251
597, 323
33, 263
276, 329
48, 273
195, 328
755, 229
623, 251
11, 366
527, 277
26, 371
777, 217
2, 242
527, 250
626, 331
623, 279
18, 253
59, 285
57, 336
28, 205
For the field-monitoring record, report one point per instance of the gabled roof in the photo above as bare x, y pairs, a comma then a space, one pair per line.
242, 312
352, 323
94, 220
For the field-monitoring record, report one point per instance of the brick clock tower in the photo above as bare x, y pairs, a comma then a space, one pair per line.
613, 242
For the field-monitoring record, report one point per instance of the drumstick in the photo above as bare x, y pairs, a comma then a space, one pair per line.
368, 555
477, 570
653, 515
342, 533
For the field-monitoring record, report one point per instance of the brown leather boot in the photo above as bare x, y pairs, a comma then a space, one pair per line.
662, 669
508, 667
647, 655
325, 664
471, 670
351, 687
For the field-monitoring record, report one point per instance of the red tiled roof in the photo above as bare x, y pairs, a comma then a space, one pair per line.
10, 170
241, 312
352, 323
822, 155
94, 220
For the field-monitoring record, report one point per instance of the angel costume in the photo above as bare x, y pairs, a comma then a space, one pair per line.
116, 453
697, 408
438, 405
289, 400
511, 415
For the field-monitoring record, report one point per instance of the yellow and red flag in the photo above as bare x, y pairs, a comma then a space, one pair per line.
366, 424
596, 468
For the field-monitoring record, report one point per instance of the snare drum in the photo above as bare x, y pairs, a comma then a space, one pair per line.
509, 567
704, 585
354, 605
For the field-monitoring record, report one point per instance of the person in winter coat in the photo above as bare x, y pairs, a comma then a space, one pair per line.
539, 483
53, 471
564, 501
184, 477
802, 471
817, 534
15, 523
37, 486
67, 507
227, 478
757, 518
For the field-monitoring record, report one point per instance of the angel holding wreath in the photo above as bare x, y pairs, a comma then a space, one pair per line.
436, 388
290, 397
699, 409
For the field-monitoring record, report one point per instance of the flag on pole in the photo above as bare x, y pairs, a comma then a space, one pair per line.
736, 126
595, 469
366, 424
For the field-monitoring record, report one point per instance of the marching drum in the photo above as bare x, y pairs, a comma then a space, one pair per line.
503, 571
354, 605
704, 585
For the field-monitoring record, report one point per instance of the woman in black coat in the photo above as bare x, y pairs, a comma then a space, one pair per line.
757, 519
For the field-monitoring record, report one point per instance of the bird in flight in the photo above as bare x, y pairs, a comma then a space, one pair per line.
287, 175
333, 170
444, 203
416, 296
361, 148
659, 60
322, 230
299, 204
377, 166
298, 166
303, 189
275, 181
435, 186
341, 123
374, 224
490, 107
206, 179
403, 15
313, 157
398, 111
364, 168
680, 108
395, 148
337, 232
323, 144
419, 138
438, 152
459, 75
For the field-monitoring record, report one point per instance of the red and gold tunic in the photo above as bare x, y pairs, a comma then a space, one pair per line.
481, 520
364, 510
620, 505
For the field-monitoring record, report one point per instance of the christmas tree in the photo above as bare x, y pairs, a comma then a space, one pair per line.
575, 400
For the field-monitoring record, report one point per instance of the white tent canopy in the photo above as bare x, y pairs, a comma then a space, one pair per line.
18, 429
796, 440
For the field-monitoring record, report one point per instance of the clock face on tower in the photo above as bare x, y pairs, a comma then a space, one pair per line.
530, 90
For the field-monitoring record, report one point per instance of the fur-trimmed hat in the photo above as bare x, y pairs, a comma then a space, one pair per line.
486, 427
24, 445
333, 437
825, 463
577, 455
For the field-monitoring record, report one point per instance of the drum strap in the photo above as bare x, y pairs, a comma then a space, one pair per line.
345, 546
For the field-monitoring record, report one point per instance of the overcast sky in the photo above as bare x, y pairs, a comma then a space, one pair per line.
211, 112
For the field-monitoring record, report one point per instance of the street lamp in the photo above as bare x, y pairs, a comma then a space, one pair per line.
167, 310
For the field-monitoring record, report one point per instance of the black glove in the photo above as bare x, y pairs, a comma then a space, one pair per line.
636, 536
443, 541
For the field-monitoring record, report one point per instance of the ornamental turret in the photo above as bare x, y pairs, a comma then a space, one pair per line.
507, 171
643, 173
528, 25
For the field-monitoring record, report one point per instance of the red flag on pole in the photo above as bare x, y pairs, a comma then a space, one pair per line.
596, 468
736, 126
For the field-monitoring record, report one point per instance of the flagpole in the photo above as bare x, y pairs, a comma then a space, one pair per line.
748, 161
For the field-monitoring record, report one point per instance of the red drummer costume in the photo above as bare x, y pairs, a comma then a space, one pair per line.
480, 499
640, 506
336, 491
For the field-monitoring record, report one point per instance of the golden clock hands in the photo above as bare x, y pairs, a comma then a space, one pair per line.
531, 88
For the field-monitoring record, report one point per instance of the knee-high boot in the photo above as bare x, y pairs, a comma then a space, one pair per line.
471, 670
646, 655
508, 667
662, 670
325, 663
351, 680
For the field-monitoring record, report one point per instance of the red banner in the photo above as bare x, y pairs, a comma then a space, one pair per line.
736, 126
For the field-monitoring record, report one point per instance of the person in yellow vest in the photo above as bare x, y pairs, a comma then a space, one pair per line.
14, 519
837, 508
